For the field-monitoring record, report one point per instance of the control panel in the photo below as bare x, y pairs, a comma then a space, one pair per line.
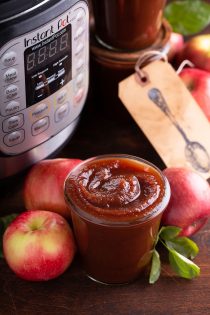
43, 80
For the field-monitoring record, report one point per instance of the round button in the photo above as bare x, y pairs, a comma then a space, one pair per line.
13, 122
80, 15
40, 126
79, 64
10, 75
39, 110
79, 48
12, 107
79, 95
9, 58
79, 32
11, 91
14, 138
79, 79
61, 96
62, 112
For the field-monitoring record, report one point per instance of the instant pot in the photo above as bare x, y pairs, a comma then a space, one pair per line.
44, 71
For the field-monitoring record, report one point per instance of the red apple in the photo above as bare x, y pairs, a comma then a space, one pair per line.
38, 245
43, 187
189, 206
198, 83
176, 44
197, 51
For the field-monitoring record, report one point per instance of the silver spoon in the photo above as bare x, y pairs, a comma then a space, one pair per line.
195, 153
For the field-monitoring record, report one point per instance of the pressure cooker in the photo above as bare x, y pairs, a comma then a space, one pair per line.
44, 58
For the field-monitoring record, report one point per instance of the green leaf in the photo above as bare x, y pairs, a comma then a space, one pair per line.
155, 268
184, 267
180, 250
184, 246
4, 222
188, 16
169, 232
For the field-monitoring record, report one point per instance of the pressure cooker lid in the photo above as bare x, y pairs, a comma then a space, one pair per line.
10, 9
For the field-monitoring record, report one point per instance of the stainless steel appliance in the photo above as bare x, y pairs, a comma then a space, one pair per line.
44, 73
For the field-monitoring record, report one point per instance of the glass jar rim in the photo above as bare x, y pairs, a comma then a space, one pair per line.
105, 222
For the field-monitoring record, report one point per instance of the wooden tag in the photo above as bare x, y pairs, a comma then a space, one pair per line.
169, 117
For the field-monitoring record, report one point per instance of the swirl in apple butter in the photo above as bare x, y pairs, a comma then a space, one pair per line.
115, 189
116, 203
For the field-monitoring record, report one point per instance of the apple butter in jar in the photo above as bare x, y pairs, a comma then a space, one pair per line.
117, 202
108, 67
128, 24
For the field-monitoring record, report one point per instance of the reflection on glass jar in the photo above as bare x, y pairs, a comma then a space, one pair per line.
117, 202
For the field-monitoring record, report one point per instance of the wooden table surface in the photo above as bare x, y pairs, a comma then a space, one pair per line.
73, 293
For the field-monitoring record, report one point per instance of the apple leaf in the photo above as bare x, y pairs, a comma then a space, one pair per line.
184, 246
155, 267
183, 266
169, 232
188, 16
4, 222
180, 249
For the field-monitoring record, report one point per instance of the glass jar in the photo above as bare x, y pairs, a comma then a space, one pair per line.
108, 68
117, 202
128, 24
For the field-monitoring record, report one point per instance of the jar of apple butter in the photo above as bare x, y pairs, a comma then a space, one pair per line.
127, 24
109, 67
117, 202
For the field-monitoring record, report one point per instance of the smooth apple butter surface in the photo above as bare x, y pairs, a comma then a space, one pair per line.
117, 203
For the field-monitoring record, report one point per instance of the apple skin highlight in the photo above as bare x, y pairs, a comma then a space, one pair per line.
198, 83
176, 43
43, 186
189, 206
197, 50
39, 245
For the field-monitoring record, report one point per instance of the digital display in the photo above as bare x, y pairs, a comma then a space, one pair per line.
45, 54
48, 66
